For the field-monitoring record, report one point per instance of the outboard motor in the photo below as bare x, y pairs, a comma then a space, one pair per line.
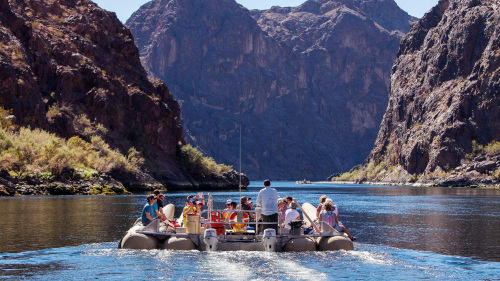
296, 227
210, 239
269, 240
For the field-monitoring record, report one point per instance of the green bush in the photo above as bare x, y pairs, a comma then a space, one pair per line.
496, 174
200, 165
492, 148
36, 152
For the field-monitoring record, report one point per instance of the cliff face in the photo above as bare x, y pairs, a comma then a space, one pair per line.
71, 68
443, 117
308, 85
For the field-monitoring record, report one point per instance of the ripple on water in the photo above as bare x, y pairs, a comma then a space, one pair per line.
104, 261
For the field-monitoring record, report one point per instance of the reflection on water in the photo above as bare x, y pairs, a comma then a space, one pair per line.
462, 222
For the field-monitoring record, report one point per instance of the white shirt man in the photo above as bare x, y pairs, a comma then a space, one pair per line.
268, 201
291, 215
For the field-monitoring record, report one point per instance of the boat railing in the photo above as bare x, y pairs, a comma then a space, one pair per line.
324, 231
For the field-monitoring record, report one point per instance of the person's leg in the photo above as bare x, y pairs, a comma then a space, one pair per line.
343, 229
274, 219
266, 219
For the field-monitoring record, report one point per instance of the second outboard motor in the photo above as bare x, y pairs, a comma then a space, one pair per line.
211, 239
269, 240
296, 227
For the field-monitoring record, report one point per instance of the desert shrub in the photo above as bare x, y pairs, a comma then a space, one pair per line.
350, 176
6, 122
109, 159
134, 159
198, 164
36, 153
496, 174
414, 177
492, 148
53, 111
83, 124
438, 174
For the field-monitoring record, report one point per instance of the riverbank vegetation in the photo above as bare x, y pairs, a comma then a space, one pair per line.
26, 152
199, 165
481, 163
83, 164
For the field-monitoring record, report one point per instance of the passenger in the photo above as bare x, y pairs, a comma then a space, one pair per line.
320, 206
329, 216
291, 214
188, 198
148, 214
252, 218
193, 207
232, 206
268, 201
225, 213
283, 207
244, 206
289, 200
159, 205
227, 217
201, 201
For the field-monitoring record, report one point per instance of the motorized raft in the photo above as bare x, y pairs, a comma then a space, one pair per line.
208, 234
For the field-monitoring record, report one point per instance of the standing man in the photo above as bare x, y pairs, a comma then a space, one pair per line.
268, 201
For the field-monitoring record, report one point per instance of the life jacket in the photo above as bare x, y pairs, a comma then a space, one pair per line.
215, 217
234, 217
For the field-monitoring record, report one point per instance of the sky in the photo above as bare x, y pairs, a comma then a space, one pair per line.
125, 8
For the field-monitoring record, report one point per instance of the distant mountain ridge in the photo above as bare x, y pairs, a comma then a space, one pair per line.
308, 85
442, 125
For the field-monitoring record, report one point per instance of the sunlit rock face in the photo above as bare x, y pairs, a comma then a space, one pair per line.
445, 95
308, 85
65, 63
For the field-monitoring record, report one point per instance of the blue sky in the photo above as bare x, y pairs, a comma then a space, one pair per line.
125, 8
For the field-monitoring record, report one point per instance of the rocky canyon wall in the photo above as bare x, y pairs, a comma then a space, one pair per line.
442, 124
308, 85
71, 68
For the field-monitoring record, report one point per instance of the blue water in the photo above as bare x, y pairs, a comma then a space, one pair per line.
404, 234
104, 261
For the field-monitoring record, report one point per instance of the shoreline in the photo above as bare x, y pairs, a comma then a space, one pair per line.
414, 184
107, 185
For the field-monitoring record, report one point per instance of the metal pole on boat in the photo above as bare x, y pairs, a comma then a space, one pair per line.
239, 216
305, 215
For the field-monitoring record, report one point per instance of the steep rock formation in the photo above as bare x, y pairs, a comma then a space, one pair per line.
69, 67
308, 85
444, 99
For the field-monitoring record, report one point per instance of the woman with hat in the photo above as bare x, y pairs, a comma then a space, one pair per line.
193, 207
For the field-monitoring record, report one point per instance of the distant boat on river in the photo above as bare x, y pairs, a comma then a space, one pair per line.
303, 182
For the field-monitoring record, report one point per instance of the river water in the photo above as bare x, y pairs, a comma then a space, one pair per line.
404, 233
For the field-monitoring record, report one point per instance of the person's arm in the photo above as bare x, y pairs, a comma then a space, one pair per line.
148, 215
258, 202
318, 210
